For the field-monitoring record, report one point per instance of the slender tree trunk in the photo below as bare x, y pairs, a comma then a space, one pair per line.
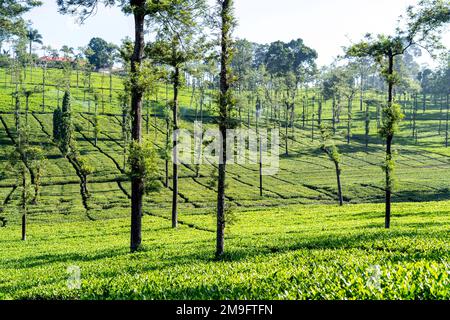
313, 115
96, 124
446, 123
124, 137
147, 118
24, 206
333, 107
338, 179
260, 157
166, 183
36, 191
286, 134
361, 94
319, 112
17, 115
389, 138
176, 85
414, 116
31, 65
379, 114
103, 95
89, 91
166, 160
440, 113
367, 126
110, 86
137, 182
27, 108
43, 87
304, 113
225, 62
424, 102
388, 182
193, 96
349, 120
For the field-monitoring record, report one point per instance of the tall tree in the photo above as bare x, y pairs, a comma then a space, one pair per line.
423, 27
141, 10
33, 36
348, 90
100, 53
293, 63
66, 128
227, 22
177, 44
328, 146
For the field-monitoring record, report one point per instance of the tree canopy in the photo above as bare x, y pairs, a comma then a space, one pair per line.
11, 12
100, 53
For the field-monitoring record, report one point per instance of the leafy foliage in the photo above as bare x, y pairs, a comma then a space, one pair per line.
391, 119
11, 12
100, 53
142, 162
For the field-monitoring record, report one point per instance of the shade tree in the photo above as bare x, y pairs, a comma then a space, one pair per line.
422, 28
179, 42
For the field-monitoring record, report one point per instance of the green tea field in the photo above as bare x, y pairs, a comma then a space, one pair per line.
293, 242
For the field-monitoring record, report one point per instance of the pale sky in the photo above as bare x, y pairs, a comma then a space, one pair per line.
325, 25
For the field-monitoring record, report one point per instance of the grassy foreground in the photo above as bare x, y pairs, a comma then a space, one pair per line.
296, 252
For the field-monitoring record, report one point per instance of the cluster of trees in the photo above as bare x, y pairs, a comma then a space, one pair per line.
27, 160
178, 26
280, 79
422, 29
19, 57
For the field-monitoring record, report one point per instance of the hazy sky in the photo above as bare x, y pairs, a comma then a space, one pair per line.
325, 25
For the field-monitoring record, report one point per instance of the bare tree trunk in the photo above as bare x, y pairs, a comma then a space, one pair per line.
304, 113
319, 112
349, 120
147, 117
27, 108
361, 94
137, 182
334, 114
31, 64
446, 123
260, 158
338, 178
103, 95
110, 86
440, 113
388, 182
89, 90
286, 134
313, 115
424, 102
176, 85
367, 126
124, 137
166, 182
24, 206
389, 139
414, 116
